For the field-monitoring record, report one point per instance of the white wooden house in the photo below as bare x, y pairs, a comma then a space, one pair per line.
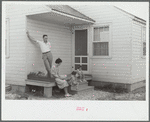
108, 42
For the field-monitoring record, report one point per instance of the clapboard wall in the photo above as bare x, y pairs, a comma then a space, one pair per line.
16, 63
61, 43
138, 61
121, 38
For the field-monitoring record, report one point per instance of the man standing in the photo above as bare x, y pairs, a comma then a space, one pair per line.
46, 52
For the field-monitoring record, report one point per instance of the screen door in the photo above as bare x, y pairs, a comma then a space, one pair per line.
81, 50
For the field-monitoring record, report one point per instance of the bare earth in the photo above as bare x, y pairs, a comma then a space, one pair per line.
96, 94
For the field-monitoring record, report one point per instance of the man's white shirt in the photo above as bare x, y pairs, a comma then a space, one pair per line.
45, 47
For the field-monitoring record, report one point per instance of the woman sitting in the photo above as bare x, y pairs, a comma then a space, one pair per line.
60, 79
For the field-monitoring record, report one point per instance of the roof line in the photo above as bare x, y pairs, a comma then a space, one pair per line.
130, 14
66, 14
80, 13
139, 21
73, 15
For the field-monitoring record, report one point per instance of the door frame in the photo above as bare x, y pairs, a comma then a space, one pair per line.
73, 47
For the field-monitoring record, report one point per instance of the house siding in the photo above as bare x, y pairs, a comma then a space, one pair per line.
16, 63
121, 37
60, 39
138, 63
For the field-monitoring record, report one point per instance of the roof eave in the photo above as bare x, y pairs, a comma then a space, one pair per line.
69, 15
131, 15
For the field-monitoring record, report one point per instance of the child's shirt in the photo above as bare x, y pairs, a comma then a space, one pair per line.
79, 72
73, 80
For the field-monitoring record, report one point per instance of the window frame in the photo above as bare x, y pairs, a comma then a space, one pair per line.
142, 37
109, 42
7, 55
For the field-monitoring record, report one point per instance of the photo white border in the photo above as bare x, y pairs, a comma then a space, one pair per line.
66, 110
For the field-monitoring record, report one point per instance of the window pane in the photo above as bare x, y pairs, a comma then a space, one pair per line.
84, 59
96, 52
104, 37
144, 48
100, 49
77, 59
101, 34
84, 67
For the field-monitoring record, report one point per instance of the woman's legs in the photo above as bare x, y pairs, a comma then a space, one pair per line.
66, 90
62, 84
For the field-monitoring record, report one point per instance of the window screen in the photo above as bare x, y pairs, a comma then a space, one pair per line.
101, 41
100, 49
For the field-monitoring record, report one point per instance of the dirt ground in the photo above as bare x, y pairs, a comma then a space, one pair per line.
96, 94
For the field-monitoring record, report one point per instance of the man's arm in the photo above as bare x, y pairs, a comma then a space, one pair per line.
31, 38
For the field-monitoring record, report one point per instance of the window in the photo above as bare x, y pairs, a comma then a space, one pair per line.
144, 48
7, 38
101, 41
144, 41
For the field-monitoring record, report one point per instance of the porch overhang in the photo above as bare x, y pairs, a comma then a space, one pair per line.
57, 17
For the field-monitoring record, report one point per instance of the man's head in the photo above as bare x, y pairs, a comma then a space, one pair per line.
45, 37
58, 61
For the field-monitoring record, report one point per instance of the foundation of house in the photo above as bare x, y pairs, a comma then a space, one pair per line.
15, 88
127, 87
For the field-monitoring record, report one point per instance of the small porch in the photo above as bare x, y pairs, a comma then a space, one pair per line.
77, 35
66, 18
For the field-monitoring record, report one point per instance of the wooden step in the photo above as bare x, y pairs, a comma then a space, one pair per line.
88, 76
80, 85
84, 88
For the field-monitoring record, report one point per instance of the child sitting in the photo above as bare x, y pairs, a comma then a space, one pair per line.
81, 75
73, 80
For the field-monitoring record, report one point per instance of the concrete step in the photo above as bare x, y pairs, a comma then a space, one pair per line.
84, 88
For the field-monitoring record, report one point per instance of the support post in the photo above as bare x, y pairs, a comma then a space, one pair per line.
47, 92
